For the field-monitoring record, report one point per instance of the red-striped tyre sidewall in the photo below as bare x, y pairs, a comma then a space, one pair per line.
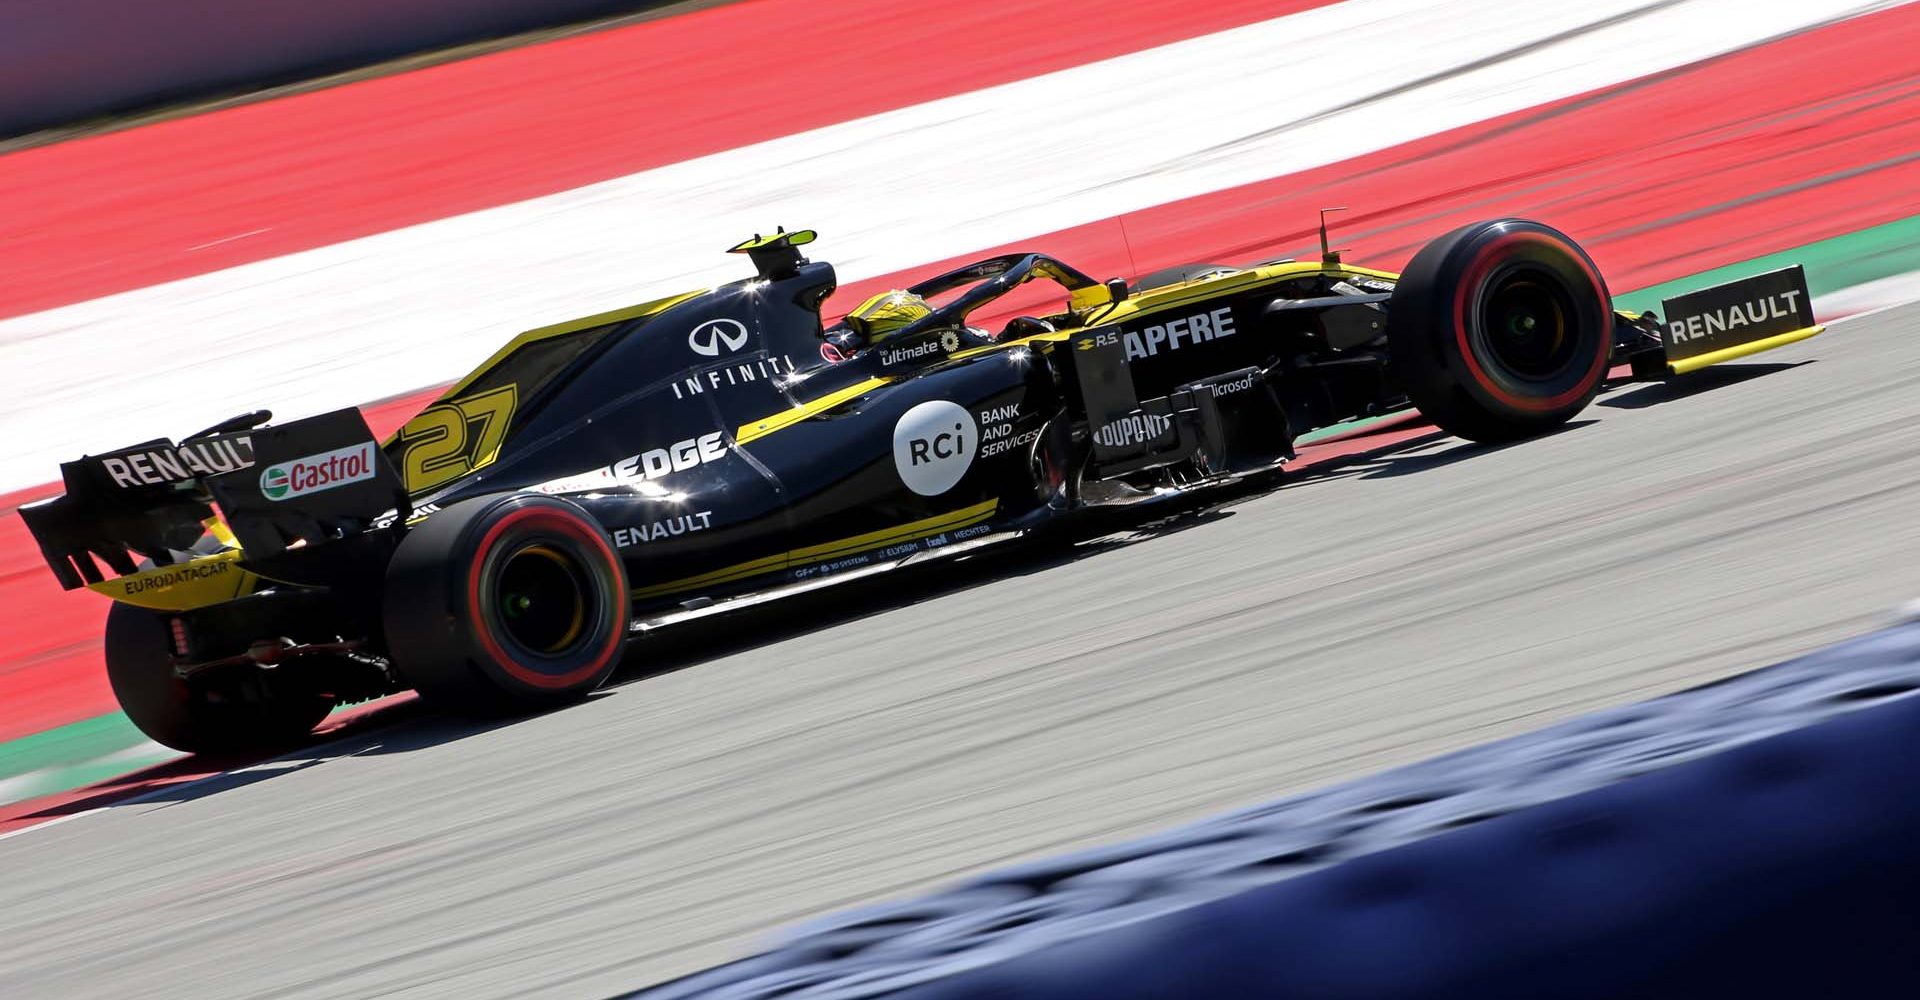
440, 623
564, 524
1438, 334
1478, 270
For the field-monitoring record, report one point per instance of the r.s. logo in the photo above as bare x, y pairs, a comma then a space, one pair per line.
933, 446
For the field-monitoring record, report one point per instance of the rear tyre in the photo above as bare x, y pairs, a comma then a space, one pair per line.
223, 714
510, 602
1500, 330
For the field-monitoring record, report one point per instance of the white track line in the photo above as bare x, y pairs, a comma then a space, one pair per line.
390, 313
1871, 298
310, 757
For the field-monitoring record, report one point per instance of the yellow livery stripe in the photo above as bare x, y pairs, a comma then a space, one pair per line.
965, 517
182, 586
569, 326
892, 536
787, 418
1188, 293
739, 571
1700, 361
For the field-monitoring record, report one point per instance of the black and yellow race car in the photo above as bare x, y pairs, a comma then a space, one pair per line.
603, 477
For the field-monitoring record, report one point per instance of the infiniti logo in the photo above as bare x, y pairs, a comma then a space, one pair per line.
717, 336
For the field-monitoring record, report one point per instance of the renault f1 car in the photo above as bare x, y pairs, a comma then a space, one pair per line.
600, 478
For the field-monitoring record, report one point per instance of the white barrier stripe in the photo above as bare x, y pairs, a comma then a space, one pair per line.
380, 316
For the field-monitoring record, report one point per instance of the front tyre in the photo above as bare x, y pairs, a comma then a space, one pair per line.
230, 713
1500, 330
506, 602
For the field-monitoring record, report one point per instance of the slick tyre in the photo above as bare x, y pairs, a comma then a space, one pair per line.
233, 712
1500, 330
506, 603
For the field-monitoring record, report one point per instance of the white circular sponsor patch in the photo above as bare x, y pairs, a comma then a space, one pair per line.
933, 446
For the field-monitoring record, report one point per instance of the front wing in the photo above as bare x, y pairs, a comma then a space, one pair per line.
1720, 323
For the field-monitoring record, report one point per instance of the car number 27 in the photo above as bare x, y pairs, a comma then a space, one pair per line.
450, 439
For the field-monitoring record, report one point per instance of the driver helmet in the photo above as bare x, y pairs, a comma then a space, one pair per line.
886, 314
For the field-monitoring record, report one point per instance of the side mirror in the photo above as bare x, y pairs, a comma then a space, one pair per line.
1082, 299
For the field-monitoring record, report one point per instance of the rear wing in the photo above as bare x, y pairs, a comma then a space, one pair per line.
275, 488
148, 501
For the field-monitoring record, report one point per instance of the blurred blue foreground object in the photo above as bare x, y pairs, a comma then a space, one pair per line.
1755, 837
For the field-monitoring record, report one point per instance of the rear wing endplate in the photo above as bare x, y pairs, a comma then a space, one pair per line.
147, 501
314, 480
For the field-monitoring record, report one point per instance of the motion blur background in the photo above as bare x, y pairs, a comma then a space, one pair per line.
178, 245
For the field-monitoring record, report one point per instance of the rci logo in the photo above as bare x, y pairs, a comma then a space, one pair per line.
717, 336
933, 446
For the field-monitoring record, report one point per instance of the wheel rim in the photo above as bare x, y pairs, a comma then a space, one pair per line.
1526, 326
541, 599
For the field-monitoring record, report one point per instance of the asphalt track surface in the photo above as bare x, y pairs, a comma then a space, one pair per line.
757, 770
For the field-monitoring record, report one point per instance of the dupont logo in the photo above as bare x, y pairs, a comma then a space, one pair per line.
317, 473
1132, 429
